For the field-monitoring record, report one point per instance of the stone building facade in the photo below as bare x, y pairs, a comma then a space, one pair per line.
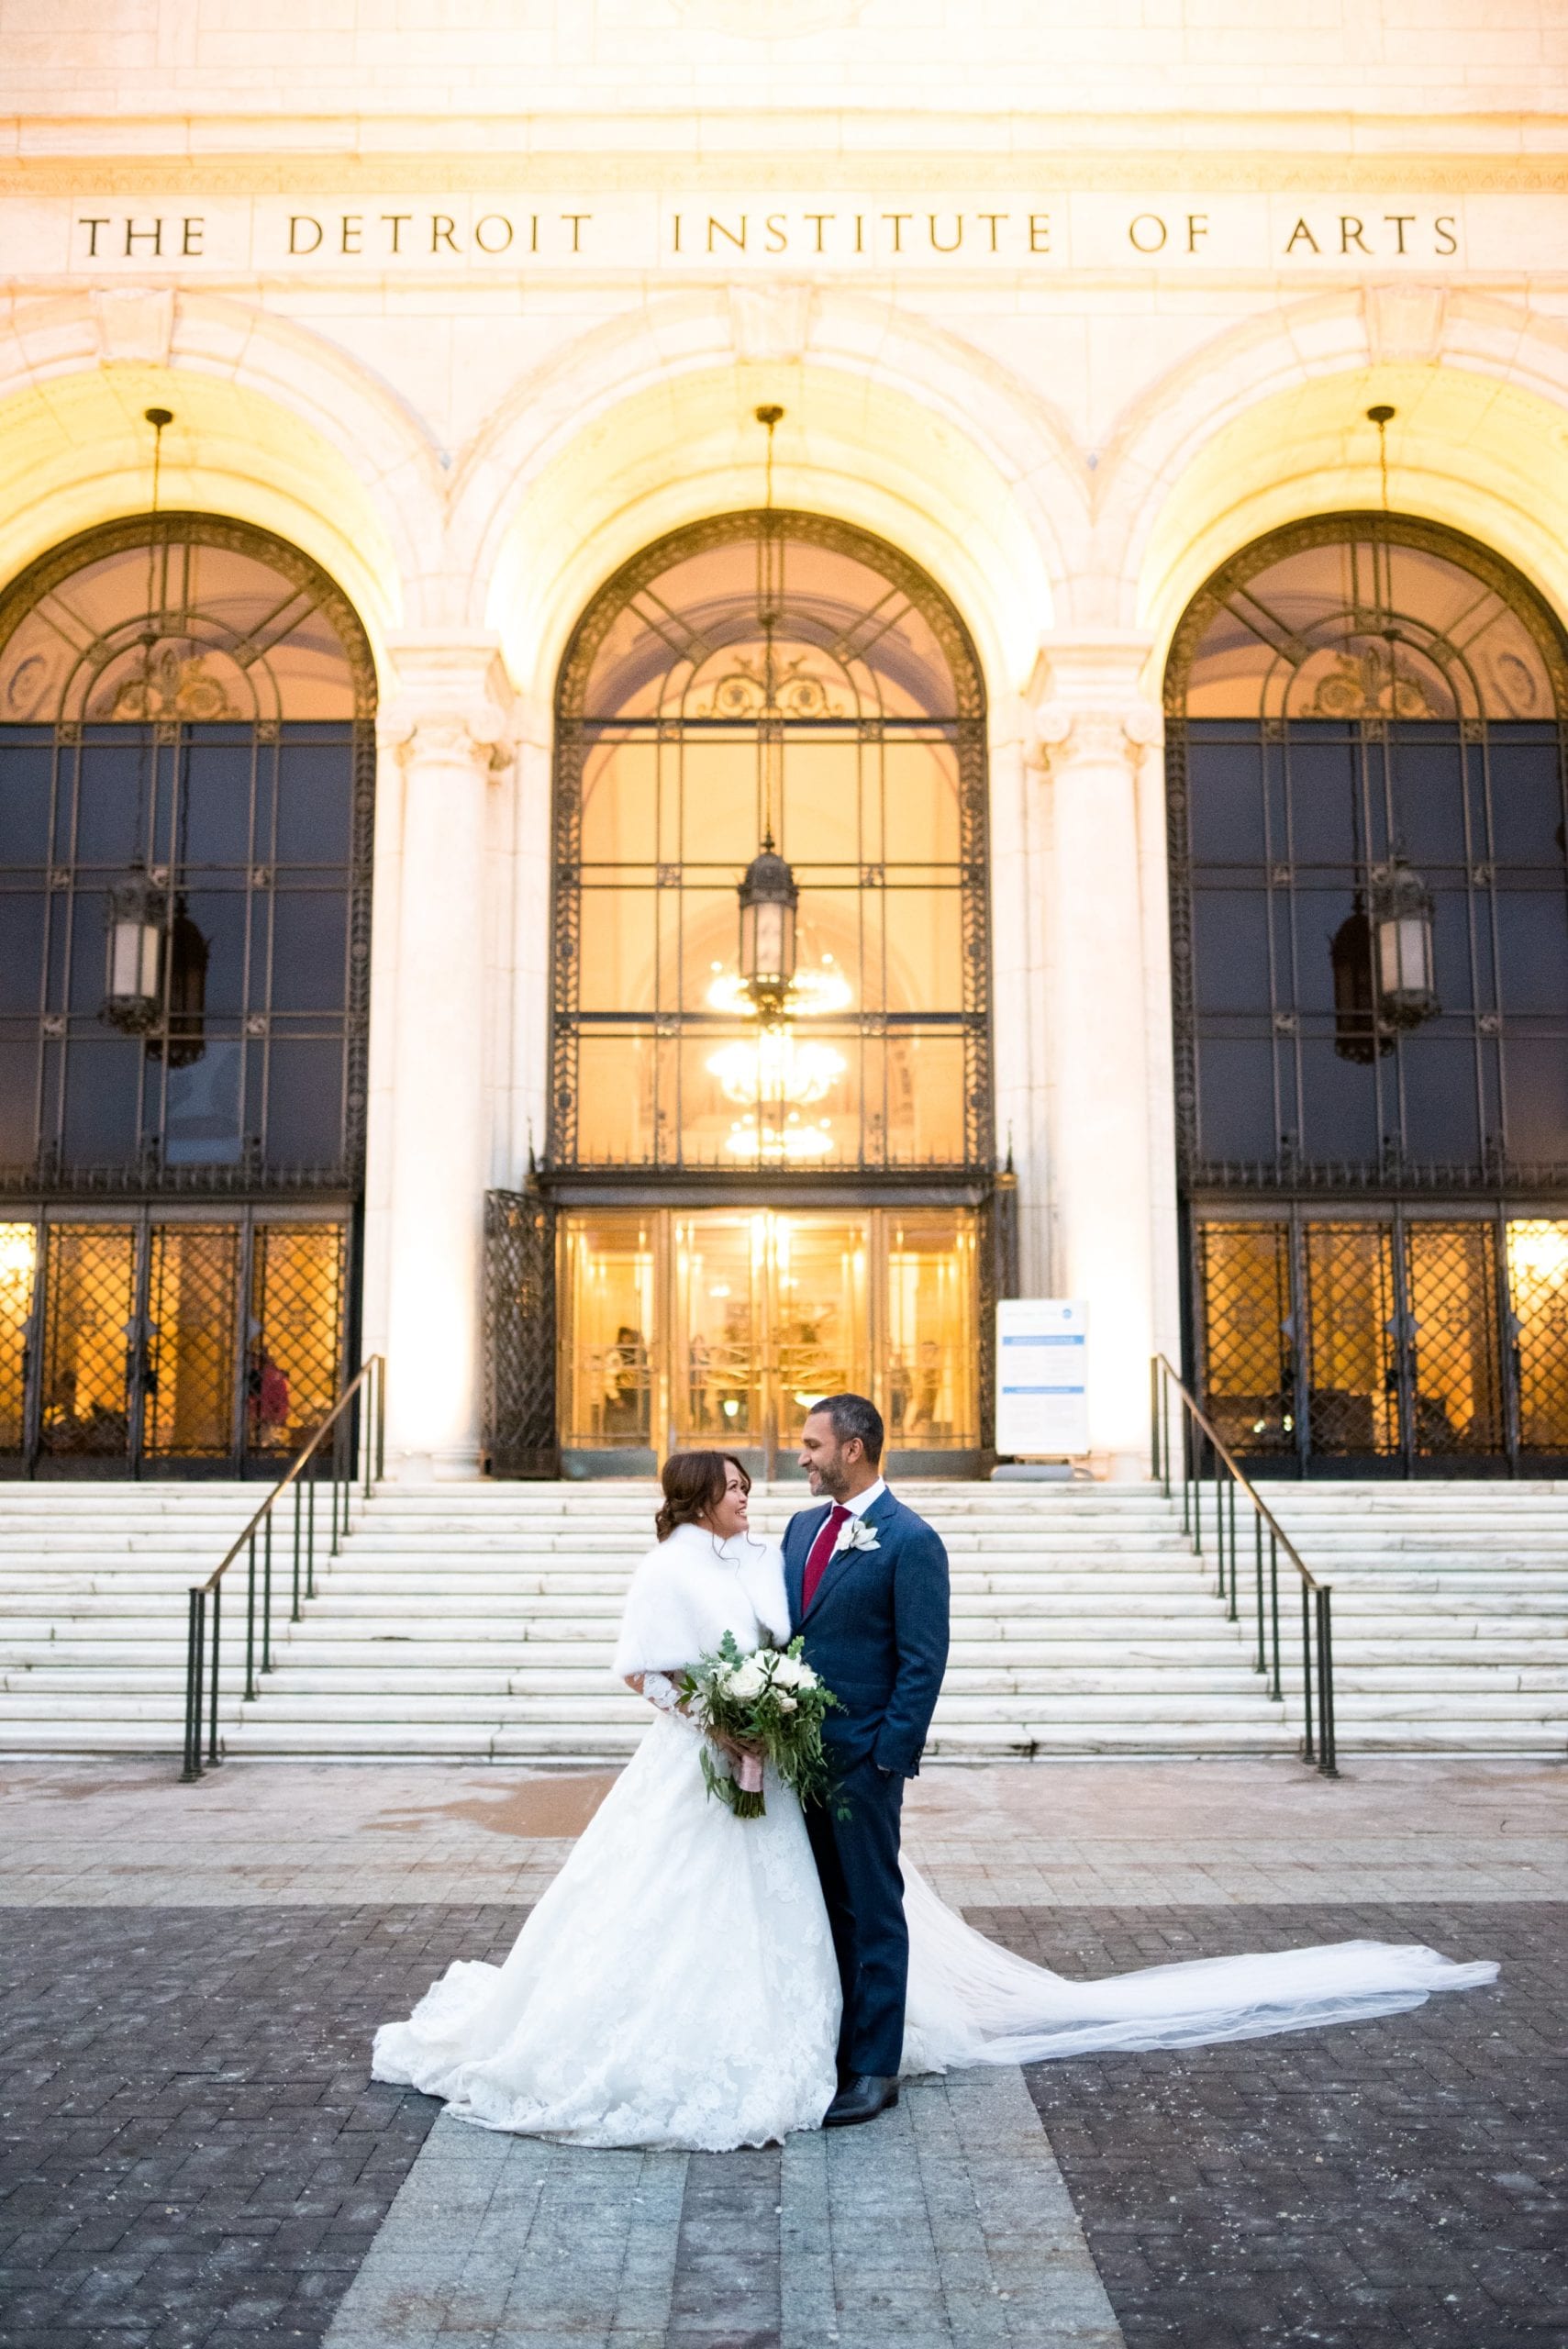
1087, 498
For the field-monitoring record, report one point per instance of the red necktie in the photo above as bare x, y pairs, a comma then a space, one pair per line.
820, 1551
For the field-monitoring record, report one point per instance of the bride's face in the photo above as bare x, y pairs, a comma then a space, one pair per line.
727, 1514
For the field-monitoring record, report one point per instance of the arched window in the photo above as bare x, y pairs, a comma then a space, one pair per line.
780, 706
1365, 720
187, 772
1367, 834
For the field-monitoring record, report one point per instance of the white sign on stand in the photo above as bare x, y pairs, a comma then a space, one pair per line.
1042, 1392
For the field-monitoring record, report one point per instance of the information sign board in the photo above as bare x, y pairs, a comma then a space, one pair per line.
1042, 1400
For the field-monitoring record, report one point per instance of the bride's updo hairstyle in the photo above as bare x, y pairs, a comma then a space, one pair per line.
694, 1485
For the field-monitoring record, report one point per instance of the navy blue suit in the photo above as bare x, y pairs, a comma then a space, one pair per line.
876, 1633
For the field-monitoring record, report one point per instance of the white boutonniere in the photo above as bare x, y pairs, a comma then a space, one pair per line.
856, 1534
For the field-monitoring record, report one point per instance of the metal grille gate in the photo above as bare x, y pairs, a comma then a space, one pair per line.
133, 1346
520, 1341
1388, 1344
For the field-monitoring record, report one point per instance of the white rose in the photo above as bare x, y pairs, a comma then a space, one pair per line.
748, 1680
790, 1673
787, 1704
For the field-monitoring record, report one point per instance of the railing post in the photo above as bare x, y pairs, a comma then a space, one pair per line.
380, 1418
250, 1621
295, 1617
267, 1592
1277, 1690
1258, 1566
212, 1755
1327, 1762
1154, 1416
1231, 1511
1308, 1751
193, 1769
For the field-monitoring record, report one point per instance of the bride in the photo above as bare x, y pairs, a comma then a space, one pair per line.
676, 1985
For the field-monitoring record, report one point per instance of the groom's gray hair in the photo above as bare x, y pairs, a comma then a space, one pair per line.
854, 1415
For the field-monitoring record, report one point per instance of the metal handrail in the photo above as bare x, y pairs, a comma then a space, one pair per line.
343, 1474
1318, 1742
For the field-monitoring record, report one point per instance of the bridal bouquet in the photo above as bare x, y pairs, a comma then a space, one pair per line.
771, 1700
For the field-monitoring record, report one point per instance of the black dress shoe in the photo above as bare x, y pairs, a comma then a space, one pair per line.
861, 2098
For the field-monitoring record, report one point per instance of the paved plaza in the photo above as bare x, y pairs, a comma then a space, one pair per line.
193, 2153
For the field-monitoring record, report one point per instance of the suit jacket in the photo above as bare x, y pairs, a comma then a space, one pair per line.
876, 1633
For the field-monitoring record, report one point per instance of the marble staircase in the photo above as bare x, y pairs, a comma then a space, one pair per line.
475, 1622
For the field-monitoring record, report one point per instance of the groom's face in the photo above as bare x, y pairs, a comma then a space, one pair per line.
828, 1464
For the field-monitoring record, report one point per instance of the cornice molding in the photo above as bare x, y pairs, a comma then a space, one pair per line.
464, 161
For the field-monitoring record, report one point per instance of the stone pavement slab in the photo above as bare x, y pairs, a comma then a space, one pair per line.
1069, 1835
945, 2223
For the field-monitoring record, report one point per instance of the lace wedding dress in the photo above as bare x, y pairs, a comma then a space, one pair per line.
676, 1985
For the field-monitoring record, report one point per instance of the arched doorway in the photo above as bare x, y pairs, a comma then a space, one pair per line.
1365, 719
770, 1164
186, 786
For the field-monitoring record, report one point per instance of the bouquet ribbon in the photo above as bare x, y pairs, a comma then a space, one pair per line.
749, 1774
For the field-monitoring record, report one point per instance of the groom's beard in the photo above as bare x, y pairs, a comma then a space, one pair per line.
823, 1480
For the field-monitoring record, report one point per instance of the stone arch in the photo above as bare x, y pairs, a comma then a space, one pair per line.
643, 426
273, 427
1267, 425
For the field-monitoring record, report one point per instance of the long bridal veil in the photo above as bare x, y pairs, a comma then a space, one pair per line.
970, 2001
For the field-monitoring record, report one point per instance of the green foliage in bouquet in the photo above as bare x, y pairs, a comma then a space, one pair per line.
771, 1700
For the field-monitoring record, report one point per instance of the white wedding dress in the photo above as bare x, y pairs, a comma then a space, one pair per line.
676, 1986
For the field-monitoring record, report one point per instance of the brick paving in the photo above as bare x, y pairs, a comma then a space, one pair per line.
191, 2157
1393, 2183
191, 2151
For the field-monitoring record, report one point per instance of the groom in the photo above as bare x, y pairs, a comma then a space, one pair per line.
868, 1588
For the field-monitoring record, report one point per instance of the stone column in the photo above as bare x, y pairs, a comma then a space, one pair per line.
1093, 727
446, 727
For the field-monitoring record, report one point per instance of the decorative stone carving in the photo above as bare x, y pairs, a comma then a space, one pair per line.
1404, 323
771, 322
136, 324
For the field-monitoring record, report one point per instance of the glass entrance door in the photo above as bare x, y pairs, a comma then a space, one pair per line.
769, 1313
751, 1316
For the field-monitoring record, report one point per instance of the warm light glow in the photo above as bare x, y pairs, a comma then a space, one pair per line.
1538, 1253
779, 1145
19, 1255
773, 1067
812, 994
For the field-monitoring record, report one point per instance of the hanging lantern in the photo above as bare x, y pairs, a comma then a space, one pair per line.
134, 959
769, 896
1402, 946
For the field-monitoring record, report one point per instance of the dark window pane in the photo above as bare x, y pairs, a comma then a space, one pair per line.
220, 914
1429, 794
215, 804
21, 949
102, 1083
27, 759
1532, 951
1236, 1099
19, 1081
1537, 1078
113, 797
1442, 1120
309, 932
202, 1120
1451, 946
315, 795
1324, 767
1318, 915
89, 947
1527, 799
305, 1104
1338, 1104
1230, 949
1224, 781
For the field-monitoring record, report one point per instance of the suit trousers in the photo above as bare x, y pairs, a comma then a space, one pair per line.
857, 1858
